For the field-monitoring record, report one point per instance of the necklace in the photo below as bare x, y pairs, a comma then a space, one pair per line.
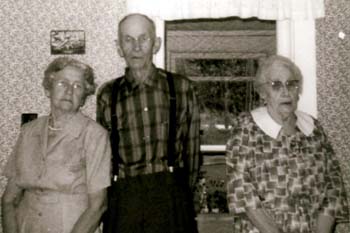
54, 129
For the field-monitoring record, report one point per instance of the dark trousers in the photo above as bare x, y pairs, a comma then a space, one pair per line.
155, 203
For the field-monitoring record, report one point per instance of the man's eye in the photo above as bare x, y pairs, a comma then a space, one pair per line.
128, 39
143, 39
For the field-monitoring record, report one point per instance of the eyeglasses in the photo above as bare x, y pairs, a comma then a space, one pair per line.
64, 84
291, 85
141, 40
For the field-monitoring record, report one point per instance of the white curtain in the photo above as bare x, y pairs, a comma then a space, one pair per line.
263, 9
295, 22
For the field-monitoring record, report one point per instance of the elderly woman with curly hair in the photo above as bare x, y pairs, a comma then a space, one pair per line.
60, 167
283, 175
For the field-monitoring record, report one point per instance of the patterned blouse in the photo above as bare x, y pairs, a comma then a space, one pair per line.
293, 178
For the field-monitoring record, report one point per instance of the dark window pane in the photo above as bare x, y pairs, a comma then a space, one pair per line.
217, 67
225, 89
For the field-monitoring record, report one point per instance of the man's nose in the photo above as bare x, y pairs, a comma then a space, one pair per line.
136, 45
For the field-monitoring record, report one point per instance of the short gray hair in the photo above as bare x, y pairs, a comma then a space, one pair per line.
62, 62
148, 19
265, 69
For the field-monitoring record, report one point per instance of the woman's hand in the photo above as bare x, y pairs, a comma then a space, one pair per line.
90, 219
10, 200
262, 221
325, 224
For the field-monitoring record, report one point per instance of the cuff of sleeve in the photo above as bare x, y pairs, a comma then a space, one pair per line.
340, 216
100, 186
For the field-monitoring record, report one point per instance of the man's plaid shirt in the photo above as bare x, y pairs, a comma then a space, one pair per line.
143, 123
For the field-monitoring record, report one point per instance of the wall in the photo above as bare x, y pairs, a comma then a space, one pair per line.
25, 53
333, 82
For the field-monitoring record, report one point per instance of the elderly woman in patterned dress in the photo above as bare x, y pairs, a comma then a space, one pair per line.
282, 172
60, 167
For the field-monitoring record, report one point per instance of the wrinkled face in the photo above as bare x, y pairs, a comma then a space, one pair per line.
67, 93
281, 92
137, 42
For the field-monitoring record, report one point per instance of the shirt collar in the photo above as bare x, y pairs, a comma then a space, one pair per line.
132, 82
262, 118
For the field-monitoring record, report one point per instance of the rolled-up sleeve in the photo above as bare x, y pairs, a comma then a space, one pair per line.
241, 193
335, 202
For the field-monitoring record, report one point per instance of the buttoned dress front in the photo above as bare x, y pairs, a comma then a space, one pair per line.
57, 171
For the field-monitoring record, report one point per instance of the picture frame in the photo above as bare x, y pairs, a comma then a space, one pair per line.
67, 42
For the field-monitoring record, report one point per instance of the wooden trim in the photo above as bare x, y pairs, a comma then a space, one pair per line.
179, 33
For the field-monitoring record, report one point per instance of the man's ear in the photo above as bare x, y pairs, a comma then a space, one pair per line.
119, 49
157, 44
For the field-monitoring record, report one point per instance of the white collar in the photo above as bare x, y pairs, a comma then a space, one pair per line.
265, 122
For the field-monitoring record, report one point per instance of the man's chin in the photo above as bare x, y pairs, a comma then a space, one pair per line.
136, 63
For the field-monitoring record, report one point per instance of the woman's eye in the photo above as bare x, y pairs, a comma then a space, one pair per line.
61, 84
78, 86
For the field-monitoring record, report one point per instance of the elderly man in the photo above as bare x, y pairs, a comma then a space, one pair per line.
153, 118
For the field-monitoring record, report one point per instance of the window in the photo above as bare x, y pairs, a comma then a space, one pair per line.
224, 87
221, 56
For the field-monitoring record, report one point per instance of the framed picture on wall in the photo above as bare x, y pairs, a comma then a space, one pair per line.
67, 42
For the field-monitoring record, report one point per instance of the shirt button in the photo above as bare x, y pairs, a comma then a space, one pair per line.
145, 109
40, 214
